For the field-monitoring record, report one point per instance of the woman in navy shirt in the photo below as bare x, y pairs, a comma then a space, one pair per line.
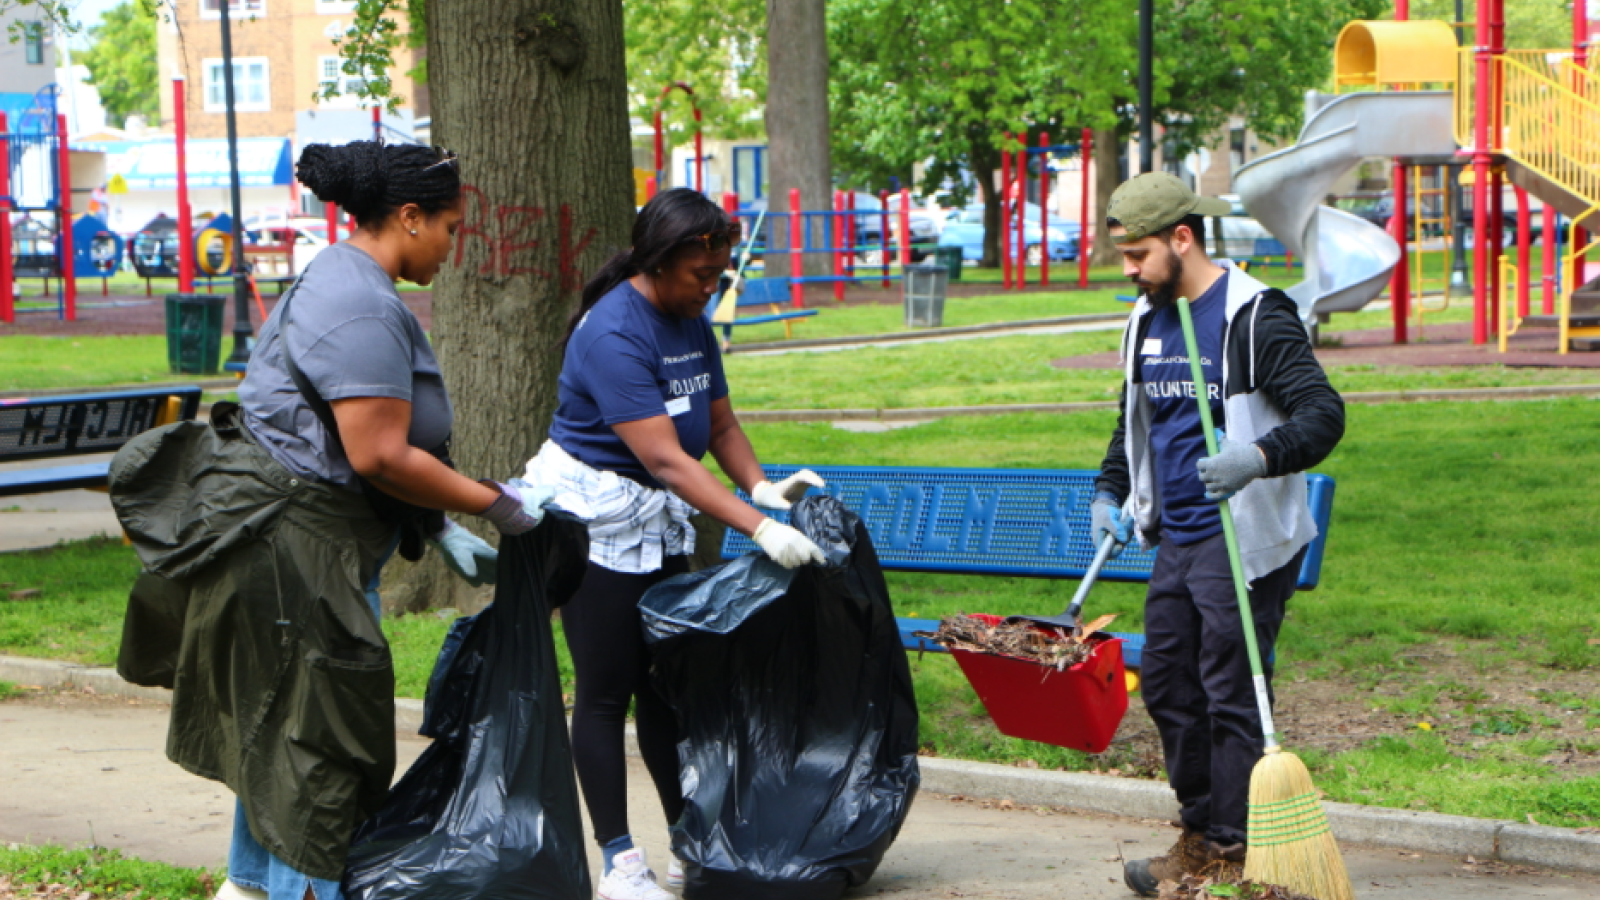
642, 398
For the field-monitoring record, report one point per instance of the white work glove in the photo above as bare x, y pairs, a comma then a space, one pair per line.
783, 494
466, 554
787, 547
737, 284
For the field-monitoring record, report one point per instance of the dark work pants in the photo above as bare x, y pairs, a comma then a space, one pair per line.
1197, 683
613, 668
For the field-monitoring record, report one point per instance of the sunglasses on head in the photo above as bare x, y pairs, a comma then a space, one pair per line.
720, 239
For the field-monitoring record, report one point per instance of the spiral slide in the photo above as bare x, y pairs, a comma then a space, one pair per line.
1347, 259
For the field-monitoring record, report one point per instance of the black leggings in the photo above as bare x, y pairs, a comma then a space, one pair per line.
613, 667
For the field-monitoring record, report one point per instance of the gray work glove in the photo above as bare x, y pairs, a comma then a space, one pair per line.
520, 507
466, 554
1106, 517
1235, 465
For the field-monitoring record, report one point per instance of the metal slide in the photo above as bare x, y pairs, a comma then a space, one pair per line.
1347, 259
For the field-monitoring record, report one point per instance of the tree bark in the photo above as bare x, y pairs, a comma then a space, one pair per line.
797, 120
1107, 175
532, 94
985, 164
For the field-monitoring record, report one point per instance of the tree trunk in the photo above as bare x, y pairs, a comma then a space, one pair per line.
533, 96
1107, 175
985, 161
797, 122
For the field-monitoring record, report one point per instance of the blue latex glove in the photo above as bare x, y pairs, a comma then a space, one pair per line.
466, 554
1106, 517
520, 507
1235, 465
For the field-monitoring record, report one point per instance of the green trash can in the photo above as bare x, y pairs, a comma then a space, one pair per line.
194, 333
950, 258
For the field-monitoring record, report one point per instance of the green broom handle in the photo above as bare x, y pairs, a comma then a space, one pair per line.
1240, 585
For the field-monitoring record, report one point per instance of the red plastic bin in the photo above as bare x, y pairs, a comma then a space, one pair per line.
1079, 707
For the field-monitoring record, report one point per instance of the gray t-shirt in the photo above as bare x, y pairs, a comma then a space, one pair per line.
352, 337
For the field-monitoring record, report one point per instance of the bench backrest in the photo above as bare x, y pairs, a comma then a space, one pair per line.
88, 423
1029, 522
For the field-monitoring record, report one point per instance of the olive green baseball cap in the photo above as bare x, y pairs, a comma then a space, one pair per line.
1155, 200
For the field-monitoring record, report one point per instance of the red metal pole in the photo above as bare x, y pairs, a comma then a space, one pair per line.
69, 278
1086, 154
7, 313
1480, 177
905, 230
1021, 220
1497, 225
699, 153
1005, 213
1524, 254
851, 239
331, 211
377, 123
659, 146
839, 241
1044, 210
1400, 281
730, 203
651, 188
180, 121
1580, 58
797, 247
1549, 263
883, 235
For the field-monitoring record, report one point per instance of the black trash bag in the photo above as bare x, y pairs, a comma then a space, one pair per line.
798, 721
490, 810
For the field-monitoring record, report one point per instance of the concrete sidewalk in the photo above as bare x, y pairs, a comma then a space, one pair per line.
75, 764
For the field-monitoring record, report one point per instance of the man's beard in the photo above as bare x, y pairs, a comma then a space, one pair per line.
1165, 292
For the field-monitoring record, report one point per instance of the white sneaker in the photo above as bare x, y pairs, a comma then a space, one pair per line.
675, 873
231, 891
631, 879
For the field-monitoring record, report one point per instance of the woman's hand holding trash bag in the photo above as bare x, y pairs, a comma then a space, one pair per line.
787, 546
783, 494
466, 554
520, 506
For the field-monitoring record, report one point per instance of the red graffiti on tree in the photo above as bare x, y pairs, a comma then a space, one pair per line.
511, 233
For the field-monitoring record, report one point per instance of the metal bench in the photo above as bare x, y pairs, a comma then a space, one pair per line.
1007, 522
81, 425
768, 292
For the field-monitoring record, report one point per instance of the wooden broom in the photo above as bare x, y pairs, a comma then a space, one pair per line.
1289, 841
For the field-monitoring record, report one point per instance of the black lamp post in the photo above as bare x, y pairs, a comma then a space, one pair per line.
241, 283
1146, 88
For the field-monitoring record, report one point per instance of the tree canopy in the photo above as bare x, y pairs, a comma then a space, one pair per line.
122, 61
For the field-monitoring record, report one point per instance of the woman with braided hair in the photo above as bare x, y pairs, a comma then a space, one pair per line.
267, 523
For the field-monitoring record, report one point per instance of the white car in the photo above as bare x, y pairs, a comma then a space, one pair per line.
265, 239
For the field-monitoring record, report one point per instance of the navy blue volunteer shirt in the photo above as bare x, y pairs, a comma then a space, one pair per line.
1176, 436
629, 361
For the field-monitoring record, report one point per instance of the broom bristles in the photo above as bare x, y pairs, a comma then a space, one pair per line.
1290, 843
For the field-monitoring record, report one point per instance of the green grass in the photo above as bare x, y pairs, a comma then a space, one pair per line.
103, 873
9, 690
1017, 369
1454, 527
32, 361
888, 316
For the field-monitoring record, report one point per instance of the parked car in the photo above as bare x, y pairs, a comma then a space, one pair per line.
869, 229
309, 237
1242, 237
965, 229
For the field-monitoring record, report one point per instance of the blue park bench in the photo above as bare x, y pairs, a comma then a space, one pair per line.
771, 293
1005, 522
81, 425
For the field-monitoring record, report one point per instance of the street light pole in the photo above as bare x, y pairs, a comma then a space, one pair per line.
241, 284
1146, 87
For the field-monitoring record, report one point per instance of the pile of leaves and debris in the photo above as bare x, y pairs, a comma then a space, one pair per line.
1224, 881
1057, 648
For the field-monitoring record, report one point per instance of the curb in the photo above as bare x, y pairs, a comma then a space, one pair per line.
911, 337
1498, 839
927, 413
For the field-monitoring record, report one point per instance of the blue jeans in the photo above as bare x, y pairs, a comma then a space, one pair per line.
249, 863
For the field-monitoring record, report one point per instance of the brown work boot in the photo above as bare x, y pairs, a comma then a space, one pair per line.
1187, 857
1223, 861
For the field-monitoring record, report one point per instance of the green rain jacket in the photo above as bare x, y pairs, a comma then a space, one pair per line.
251, 608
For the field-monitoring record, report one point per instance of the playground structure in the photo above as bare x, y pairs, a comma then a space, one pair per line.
1530, 117
36, 178
1014, 165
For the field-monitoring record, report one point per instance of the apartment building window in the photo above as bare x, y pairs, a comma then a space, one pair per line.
252, 85
330, 73
212, 9
33, 43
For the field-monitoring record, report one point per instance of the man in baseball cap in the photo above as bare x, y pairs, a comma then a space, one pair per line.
1157, 484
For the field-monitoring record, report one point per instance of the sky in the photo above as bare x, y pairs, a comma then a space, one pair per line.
87, 13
